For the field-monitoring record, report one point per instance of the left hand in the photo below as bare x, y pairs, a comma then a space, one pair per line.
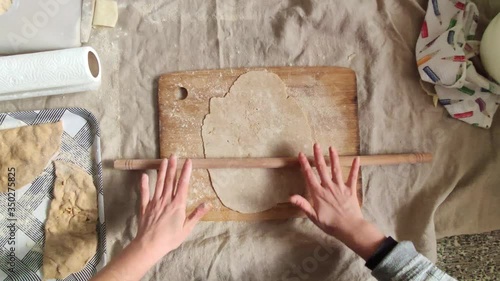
163, 224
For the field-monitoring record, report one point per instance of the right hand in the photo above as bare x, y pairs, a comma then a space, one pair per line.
335, 208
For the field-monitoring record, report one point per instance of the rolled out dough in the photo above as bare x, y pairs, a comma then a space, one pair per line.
28, 150
255, 118
105, 13
70, 230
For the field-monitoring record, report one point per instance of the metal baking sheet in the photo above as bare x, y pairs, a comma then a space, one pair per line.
80, 145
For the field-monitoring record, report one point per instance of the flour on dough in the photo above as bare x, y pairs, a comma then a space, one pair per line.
28, 149
255, 118
5, 5
70, 229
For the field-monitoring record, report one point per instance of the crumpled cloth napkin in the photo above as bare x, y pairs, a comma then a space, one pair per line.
444, 48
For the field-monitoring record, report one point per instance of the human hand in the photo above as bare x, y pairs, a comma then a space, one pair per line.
163, 224
335, 208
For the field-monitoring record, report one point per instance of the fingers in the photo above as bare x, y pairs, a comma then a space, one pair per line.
144, 193
321, 165
335, 166
304, 205
353, 174
196, 216
312, 183
168, 186
183, 184
160, 180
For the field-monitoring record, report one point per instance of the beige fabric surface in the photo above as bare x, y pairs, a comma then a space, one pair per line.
458, 193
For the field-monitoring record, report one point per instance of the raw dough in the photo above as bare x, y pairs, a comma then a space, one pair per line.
5, 5
29, 150
255, 119
70, 230
106, 13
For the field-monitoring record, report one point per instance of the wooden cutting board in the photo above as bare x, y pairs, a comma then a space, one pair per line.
327, 95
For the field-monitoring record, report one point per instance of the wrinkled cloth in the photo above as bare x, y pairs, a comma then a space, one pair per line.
405, 263
457, 193
444, 50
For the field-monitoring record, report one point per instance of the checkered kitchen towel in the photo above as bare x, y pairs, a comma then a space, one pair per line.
443, 52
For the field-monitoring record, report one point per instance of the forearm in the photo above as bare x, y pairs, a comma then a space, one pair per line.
400, 262
404, 263
130, 265
362, 237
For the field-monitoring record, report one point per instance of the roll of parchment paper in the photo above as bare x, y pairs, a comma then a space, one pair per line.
42, 25
49, 73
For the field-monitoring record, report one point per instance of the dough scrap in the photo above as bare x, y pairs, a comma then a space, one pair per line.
28, 149
70, 230
5, 5
255, 119
88, 9
105, 13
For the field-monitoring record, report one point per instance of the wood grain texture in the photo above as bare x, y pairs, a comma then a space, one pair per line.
327, 95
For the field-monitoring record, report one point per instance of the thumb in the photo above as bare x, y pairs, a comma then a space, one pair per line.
304, 205
195, 216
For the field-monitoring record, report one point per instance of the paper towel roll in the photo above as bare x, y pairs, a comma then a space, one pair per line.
49, 73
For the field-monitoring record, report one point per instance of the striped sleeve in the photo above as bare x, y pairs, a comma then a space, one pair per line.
404, 263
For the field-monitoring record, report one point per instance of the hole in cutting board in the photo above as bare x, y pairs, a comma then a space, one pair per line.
181, 93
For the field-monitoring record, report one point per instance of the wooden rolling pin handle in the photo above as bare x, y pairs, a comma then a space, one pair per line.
272, 163
138, 164
422, 157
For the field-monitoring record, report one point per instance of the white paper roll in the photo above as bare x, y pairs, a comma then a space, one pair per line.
49, 73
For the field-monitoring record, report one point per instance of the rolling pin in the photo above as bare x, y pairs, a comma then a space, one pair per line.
271, 163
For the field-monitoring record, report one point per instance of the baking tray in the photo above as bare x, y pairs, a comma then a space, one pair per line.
80, 145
